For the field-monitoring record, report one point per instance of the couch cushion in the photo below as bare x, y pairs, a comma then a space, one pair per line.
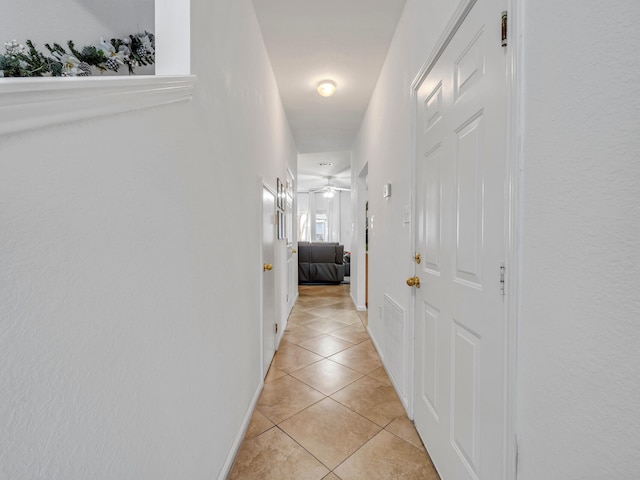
323, 254
304, 272
303, 252
327, 272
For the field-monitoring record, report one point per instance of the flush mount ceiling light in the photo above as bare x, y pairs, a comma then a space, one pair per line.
326, 88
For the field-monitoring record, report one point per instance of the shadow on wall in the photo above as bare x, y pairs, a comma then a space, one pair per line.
116, 12
82, 21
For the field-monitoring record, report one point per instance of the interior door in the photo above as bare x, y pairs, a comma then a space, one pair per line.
460, 371
268, 278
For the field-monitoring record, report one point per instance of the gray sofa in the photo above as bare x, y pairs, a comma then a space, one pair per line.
320, 263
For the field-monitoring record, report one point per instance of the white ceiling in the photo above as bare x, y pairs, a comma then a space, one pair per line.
311, 40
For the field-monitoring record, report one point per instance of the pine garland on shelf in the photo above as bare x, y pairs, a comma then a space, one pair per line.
27, 61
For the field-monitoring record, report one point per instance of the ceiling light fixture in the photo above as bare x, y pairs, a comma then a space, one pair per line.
329, 193
326, 88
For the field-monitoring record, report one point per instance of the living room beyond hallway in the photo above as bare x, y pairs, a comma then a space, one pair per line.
328, 409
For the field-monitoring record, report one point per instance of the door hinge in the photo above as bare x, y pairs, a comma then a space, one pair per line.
502, 269
276, 327
504, 28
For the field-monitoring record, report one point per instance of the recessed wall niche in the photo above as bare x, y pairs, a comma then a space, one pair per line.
28, 103
84, 21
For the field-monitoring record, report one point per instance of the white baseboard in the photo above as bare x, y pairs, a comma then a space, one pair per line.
243, 429
359, 308
281, 333
403, 400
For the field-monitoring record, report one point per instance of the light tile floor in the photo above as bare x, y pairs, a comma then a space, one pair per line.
328, 410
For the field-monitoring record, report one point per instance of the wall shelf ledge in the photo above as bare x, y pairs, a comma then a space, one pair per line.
29, 103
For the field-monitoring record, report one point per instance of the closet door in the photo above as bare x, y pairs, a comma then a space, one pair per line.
460, 341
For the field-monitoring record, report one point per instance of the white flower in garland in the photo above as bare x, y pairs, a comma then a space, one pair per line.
114, 59
126, 51
14, 48
70, 65
147, 44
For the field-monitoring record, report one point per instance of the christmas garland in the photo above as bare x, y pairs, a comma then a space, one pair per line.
26, 61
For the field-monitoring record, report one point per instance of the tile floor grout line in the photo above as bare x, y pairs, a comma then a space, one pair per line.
326, 357
361, 415
356, 451
302, 446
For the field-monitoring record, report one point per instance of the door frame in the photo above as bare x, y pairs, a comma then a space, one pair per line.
513, 197
292, 289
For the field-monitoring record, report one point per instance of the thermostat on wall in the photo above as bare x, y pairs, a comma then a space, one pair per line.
386, 190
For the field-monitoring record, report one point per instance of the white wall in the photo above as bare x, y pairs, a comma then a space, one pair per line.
81, 20
384, 142
129, 260
344, 209
579, 367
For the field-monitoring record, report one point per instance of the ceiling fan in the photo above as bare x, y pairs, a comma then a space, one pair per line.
329, 190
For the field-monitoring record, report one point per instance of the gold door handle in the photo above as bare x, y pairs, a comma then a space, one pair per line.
267, 266
418, 258
294, 251
413, 282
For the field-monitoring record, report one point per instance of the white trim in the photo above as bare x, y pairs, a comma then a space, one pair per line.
29, 103
226, 469
261, 186
513, 228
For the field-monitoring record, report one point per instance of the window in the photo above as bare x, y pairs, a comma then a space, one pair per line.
303, 227
322, 227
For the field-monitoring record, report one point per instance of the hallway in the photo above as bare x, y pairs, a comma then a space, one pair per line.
328, 410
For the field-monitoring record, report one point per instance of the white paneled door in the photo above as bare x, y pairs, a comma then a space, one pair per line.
268, 278
460, 334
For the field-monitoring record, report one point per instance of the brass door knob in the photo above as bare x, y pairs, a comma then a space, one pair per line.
418, 258
413, 282
267, 266
294, 251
